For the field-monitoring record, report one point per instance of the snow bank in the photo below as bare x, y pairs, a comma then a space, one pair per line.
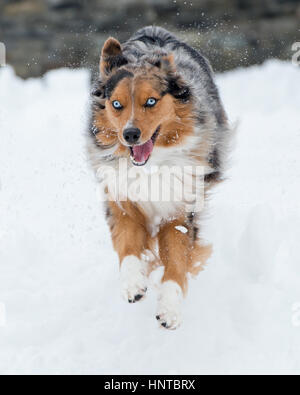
59, 275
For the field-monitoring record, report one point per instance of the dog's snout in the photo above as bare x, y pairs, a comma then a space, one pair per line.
132, 135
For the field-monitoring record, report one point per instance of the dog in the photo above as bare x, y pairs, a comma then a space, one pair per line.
155, 105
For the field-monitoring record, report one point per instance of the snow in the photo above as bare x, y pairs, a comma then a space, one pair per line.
181, 229
59, 281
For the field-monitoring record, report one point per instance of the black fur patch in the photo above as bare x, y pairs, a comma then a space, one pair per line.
99, 105
212, 177
221, 117
97, 92
93, 130
191, 217
195, 233
107, 212
214, 160
195, 229
177, 90
201, 118
114, 80
151, 40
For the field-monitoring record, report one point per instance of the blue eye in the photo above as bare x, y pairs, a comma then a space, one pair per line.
151, 102
117, 105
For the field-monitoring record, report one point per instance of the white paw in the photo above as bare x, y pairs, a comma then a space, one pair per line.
133, 279
169, 305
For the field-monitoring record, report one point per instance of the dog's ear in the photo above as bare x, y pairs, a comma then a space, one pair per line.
111, 57
176, 85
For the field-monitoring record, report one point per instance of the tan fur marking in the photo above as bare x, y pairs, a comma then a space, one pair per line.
174, 247
177, 251
107, 133
128, 230
180, 254
199, 257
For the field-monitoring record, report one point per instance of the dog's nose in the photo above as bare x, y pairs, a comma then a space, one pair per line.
132, 135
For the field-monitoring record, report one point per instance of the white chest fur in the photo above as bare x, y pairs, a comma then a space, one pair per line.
163, 191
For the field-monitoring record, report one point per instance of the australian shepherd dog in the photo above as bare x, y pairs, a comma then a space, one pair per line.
157, 119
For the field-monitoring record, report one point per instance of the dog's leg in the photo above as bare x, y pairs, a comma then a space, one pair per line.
130, 239
174, 249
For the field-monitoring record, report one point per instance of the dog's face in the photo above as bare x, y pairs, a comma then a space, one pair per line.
141, 108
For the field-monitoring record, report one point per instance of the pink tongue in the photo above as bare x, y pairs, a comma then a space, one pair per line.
142, 152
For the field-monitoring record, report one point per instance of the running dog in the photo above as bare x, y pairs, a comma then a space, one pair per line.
155, 105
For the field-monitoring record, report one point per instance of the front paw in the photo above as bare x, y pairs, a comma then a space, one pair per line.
170, 299
133, 279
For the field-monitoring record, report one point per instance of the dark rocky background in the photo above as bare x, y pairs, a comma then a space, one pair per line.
46, 34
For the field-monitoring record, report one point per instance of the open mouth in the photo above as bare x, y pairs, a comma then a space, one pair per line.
140, 154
